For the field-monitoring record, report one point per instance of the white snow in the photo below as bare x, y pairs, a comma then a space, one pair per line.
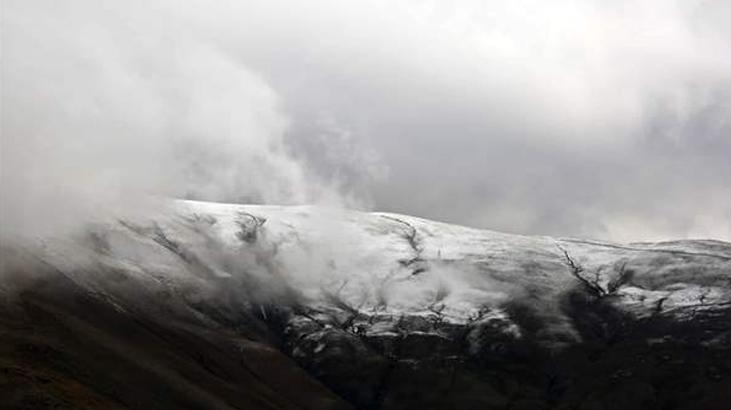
384, 263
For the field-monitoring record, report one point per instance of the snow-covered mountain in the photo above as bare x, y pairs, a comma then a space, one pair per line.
325, 308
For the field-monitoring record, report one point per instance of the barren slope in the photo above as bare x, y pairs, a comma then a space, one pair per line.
226, 306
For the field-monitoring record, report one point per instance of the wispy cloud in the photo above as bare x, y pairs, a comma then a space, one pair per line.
586, 118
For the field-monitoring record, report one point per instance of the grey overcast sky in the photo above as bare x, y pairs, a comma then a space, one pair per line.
601, 119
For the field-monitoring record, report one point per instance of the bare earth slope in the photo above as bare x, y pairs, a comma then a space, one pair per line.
227, 306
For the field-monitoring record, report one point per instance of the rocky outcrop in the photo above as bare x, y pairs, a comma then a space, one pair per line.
226, 306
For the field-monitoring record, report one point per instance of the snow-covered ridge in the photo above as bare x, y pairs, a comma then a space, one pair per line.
384, 265
385, 310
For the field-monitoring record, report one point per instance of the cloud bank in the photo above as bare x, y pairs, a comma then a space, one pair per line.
586, 118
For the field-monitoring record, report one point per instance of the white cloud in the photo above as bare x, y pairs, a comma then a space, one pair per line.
565, 117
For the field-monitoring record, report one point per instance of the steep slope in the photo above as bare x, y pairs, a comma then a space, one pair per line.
227, 306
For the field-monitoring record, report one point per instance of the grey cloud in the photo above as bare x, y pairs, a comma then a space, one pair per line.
607, 120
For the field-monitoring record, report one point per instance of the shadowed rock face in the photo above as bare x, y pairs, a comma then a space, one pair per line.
621, 363
223, 306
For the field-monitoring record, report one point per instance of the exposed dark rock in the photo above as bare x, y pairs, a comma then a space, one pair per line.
231, 307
